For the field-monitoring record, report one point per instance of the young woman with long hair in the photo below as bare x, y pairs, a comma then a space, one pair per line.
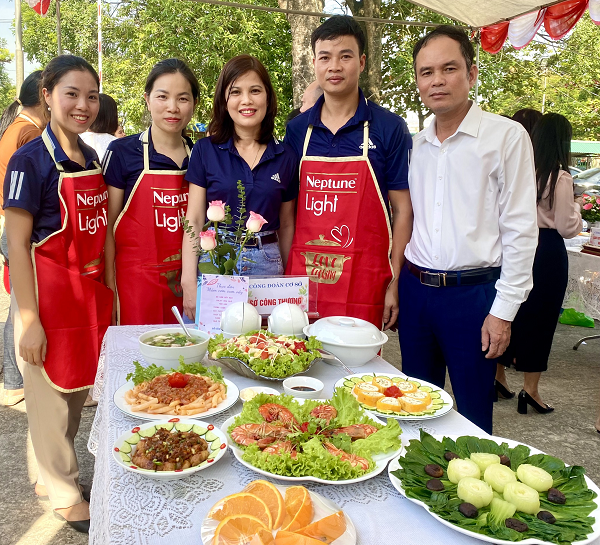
241, 146
558, 218
56, 209
147, 198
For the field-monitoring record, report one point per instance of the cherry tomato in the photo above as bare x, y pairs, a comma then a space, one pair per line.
246, 349
299, 346
264, 354
177, 380
304, 427
393, 391
261, 345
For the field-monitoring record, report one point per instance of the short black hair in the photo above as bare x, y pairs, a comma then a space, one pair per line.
172, 66
108, 116
452, 32
336, 27
528, 118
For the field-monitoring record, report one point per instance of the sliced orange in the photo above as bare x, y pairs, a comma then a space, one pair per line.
284, 537
268, 493
263, 537
298, 509
326, 529
242, 504
237, 529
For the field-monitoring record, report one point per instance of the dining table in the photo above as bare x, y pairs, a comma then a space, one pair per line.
128, 508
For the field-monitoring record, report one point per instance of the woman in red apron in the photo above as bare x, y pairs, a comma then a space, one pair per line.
147, 197
56, 214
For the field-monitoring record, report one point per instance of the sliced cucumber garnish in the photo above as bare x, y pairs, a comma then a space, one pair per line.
200, 430
426, 389
210, 436
356, 380
435, 395
125, 447
184, 427
148, 432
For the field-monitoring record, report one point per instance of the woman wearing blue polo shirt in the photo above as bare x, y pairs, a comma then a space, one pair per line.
241, 146
55, 203
147, 197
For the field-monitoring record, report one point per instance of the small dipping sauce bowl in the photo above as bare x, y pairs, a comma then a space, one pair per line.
250, 393
305, 387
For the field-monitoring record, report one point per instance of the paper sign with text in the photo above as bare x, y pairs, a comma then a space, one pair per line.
266, 293
215, 293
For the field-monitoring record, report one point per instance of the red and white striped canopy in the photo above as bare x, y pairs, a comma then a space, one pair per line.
517, 20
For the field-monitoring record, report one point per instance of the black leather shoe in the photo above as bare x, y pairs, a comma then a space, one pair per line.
82, 526
502, 391
525, 399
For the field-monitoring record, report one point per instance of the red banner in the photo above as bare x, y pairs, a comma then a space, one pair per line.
39, 6
561, 18
493, 37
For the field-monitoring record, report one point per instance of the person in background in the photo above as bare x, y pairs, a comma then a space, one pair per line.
528, 118
147, 196
102, 132
355, 157
120, 132
558, 217
468, 263
310, 96
16, 129
61, 308
241, 146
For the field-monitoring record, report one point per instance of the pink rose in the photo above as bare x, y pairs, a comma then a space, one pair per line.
597, 200
585, 196
255, 222
216, 211
207, 240
588, 206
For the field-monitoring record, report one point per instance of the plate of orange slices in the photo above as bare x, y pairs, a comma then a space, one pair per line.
267, 514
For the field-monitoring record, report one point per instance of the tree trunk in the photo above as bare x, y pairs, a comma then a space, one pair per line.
302, 27
370, 79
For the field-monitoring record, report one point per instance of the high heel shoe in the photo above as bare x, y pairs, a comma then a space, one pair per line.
502, 391
525, 399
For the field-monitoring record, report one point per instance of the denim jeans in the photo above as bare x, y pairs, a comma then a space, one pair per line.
255, 261
12, 376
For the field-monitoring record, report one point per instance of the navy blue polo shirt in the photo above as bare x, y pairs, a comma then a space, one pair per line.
31, 182
124, 162
218, 167
389, 140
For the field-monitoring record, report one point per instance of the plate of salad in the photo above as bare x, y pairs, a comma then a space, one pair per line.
397, 396
261, 354
498, 490
190, 391
326, 441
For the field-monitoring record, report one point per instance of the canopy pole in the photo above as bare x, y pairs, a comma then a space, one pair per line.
58, 32
100, 43
18, 46
477, 64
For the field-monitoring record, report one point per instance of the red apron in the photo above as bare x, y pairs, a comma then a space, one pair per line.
74, 304
343, 238
148, 236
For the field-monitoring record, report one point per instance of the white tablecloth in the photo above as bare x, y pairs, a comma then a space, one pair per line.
583, 288
129, 509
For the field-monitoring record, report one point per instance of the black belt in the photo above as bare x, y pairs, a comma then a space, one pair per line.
253, 242
454, 278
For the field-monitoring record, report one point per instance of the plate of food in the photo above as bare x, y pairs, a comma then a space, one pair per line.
171, 449
498, 490
397, 396
326, 441
263, 511
264, 355
191, 391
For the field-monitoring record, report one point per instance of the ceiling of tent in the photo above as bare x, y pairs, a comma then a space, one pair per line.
480, 13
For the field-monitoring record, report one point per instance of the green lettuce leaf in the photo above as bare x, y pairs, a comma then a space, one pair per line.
146, 374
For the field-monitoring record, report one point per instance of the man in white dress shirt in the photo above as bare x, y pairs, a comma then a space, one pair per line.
469, 261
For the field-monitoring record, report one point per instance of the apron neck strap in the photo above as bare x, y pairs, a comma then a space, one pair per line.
307, 140
27, 118
50, 147
146, 148
365, 139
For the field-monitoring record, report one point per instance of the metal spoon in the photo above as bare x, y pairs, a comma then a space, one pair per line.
329, 356
175, 311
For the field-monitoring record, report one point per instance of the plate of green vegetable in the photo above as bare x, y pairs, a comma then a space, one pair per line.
498, 490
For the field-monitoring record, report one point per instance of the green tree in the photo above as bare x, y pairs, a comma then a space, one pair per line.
139, 33
7, 89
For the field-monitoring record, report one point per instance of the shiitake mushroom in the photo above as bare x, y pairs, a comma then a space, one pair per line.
468, 510
434, 470
505, 460
435, 485
546, 516
516, 525
556, 496
450, 455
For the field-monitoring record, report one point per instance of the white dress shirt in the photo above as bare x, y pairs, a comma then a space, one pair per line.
98, 140
474, 201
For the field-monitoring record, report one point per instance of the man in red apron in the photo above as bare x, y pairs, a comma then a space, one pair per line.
354, 161
148, 235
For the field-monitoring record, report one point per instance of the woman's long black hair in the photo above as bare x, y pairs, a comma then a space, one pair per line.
551, 138
29, 96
